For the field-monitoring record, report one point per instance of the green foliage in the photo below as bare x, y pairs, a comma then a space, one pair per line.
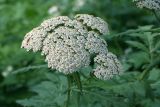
26, 81
50, 92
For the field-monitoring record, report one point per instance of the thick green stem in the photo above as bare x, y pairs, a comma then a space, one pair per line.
68, 90
78, 80
79, 85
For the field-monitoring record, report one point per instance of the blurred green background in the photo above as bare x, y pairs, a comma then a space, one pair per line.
17, 17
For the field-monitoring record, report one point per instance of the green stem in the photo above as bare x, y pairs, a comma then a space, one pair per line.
78, 81
152, 62
79, 85
78, 99
68, 91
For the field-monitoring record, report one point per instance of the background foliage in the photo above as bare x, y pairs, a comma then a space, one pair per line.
26, 81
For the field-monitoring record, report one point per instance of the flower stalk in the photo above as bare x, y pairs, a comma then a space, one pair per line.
69, 80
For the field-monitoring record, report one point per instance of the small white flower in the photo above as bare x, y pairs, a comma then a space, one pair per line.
149, 4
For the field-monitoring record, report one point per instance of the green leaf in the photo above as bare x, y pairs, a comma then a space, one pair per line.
148, 27
129, 89
156, 88
154, 74
48, 94
137, 45
138, 59
150, 103
157, 46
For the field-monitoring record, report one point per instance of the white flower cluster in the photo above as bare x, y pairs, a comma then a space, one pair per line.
95, 44
64, 50
107, 66
69, 43
95, 23
149, 4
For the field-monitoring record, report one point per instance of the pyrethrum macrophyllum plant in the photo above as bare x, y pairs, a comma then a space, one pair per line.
71, 44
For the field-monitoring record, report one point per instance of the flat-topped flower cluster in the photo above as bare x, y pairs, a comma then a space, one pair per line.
69, 43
